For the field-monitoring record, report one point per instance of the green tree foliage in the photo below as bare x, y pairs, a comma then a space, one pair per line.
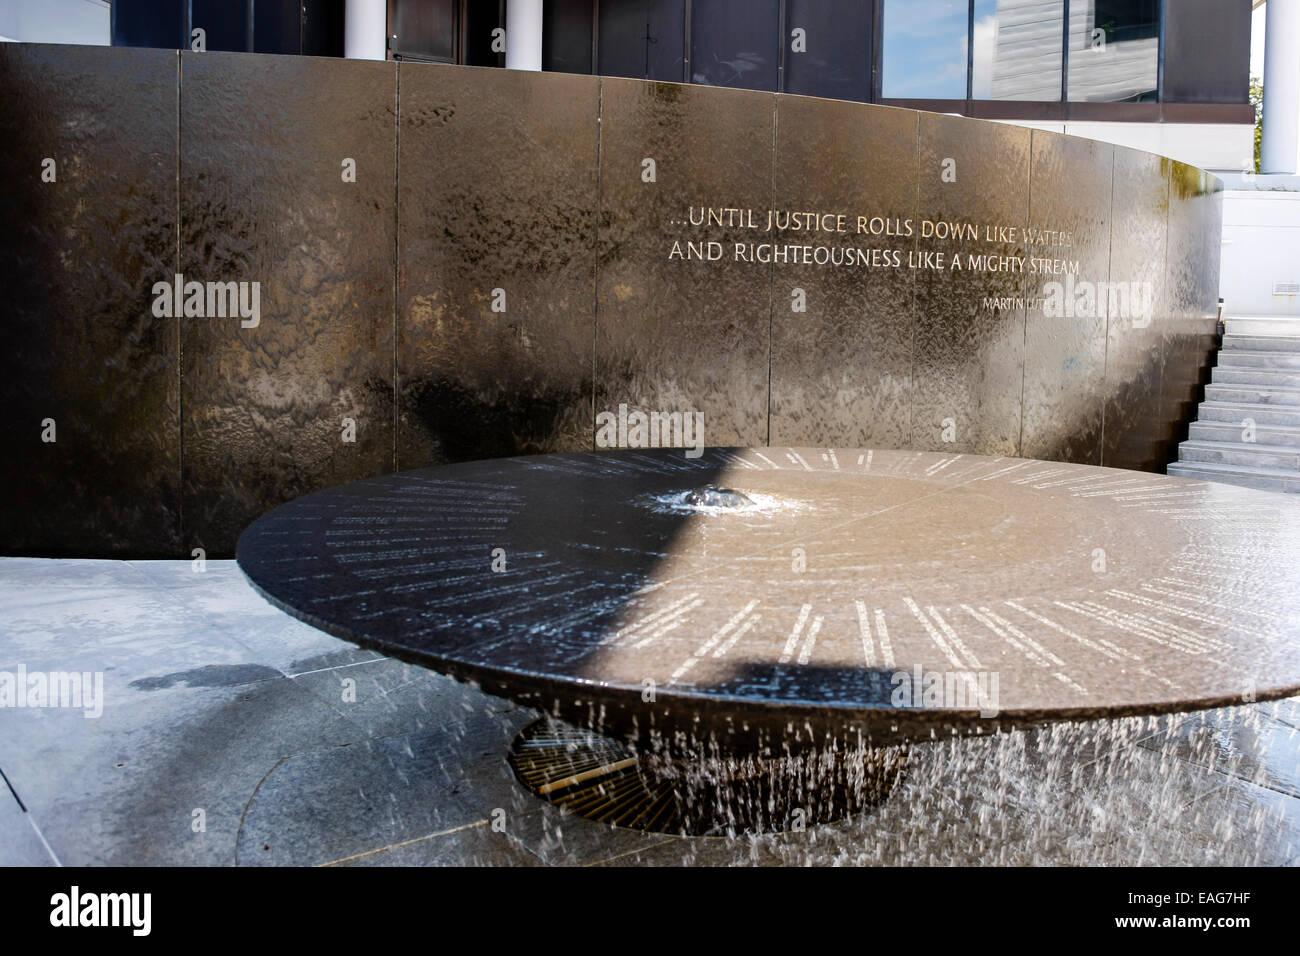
1257, 101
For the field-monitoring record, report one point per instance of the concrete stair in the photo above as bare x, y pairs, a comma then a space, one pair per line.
1256, 382
1235, 412
1255, 395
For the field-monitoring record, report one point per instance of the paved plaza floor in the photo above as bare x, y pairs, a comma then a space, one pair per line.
232, 734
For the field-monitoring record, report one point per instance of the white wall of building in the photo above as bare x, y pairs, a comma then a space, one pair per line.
1214, 146
83, 22
1261, 246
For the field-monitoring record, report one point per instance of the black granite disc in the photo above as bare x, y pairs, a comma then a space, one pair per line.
862, 596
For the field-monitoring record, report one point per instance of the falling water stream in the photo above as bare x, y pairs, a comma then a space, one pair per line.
1183, 789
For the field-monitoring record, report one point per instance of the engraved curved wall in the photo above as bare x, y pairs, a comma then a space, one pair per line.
520, 253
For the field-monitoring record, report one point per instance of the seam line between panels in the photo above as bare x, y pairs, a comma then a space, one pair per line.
180, 337
1105, 343
397, 247
1024, 310
595, 284
909, 399
771, 274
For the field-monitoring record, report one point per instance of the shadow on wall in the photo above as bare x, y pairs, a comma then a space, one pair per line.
459, 423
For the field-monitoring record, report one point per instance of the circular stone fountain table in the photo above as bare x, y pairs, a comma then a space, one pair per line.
850, 599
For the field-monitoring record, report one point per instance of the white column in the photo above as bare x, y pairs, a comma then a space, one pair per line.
523, 34
1279, 150
365, 30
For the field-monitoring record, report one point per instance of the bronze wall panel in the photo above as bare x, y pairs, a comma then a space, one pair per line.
1065, 327
78, 259
1192, 280
176, 432
497, 191
263, 198
1135, 435
968, 365
842, 370
674, 335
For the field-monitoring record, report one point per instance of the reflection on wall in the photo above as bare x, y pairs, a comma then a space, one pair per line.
1017, 50
1114, 50
923, 52
1017, 46
734, 43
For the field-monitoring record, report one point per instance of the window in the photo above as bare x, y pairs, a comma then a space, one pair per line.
836, 60
643, 39
277, 26
1017, 49
156, 23
566, 36
482, 19
735, 43
424, 30
1114, 50
225, 24
923, 49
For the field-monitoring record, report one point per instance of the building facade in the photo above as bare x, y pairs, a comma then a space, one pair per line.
1169, 77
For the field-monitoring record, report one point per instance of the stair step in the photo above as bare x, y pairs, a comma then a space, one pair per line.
1237, 412
1262, 343
1242, 358
1228, 375
1284, 457
1268, 479
1254, 394
1283, 435
1262, 325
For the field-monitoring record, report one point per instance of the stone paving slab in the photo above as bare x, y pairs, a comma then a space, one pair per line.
22, 845
216, 702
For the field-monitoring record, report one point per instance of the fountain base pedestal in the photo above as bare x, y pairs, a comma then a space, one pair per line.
602, 779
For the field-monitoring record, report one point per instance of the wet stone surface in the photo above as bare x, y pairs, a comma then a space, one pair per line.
711, 496
867, 596
412, 768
